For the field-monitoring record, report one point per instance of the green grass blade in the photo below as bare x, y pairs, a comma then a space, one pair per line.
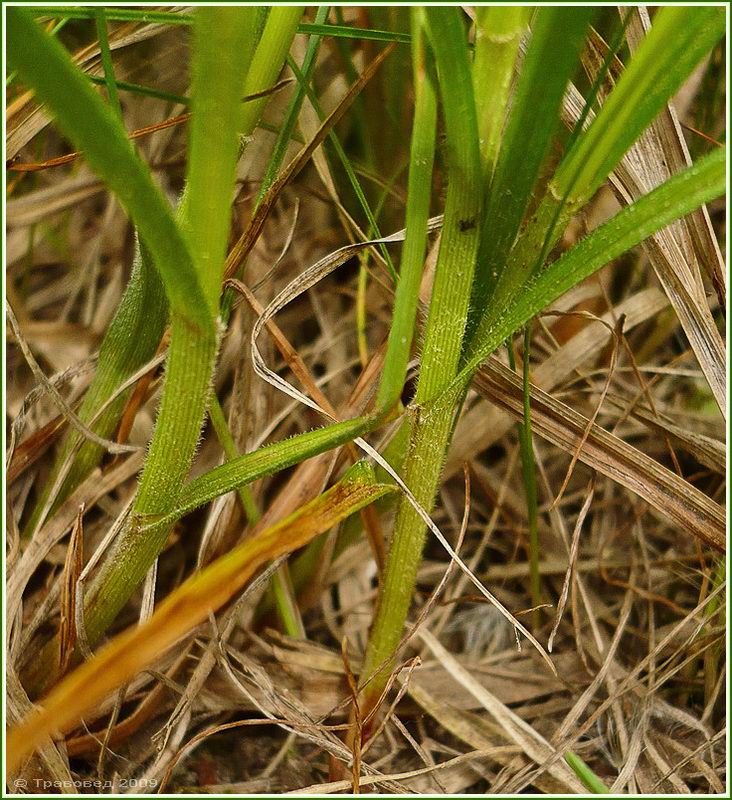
113, 14
553, 56
421, 162
678, 40
441, 347
107, 62
592, 781
460, 230
681, 194
266, 461
85, 119
293, 110
349, 32
268, 59
137, 88
218, 76
498, 32
173, 18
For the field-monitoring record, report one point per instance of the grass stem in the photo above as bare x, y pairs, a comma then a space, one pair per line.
442, 342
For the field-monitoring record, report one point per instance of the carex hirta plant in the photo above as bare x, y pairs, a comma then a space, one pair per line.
488, 117
500, 258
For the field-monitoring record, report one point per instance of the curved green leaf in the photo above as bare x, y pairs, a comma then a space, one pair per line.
92, 126
700, 183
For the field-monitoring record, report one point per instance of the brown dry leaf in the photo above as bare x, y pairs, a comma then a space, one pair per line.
564, 427
480, 427
703, 247
477, 731
513, 727
388, 780
32, 448
72, 570
500, 680
707, 451
90, 743
676, 251
39, 204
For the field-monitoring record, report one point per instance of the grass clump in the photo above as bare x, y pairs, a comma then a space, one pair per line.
511, 124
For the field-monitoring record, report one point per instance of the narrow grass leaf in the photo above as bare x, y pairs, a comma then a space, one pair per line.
557, 36
176, 18
675, 198
349, 32
136, 88
109, 81
266, 461
113, 14
421, 162
290, 118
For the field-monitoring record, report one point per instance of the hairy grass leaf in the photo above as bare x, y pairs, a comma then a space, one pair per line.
680, 195
442, 340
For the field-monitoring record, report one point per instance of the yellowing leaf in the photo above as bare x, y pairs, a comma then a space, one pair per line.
185, 608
